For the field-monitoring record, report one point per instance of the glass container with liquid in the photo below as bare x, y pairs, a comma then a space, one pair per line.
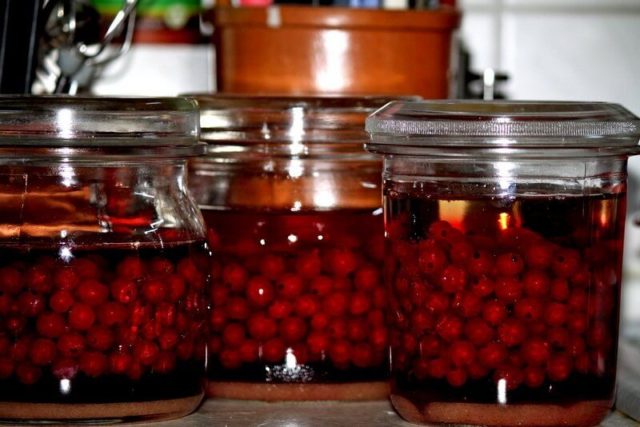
504, 233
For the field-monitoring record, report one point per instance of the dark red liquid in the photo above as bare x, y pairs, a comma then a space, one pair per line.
297, 297
520, 296
102, 324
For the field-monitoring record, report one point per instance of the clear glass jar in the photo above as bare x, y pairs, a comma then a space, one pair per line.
103, 260
293, 209
504, 232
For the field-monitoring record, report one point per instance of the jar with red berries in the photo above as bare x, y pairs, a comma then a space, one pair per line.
292, 204
504, 234
103, 260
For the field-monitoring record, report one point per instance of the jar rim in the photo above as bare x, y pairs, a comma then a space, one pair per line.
503, 124
241, 119
98, 122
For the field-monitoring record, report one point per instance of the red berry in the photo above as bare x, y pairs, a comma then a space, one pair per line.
10, 281
274, 350
86, 268
342, 262
559, 289
556, 314
492, 355
230, 359
453, 279
511, 375
462, 353
259, 291
124, 290
50, 325
130, 268
437, 302
494, 312
38, 280
146, 352
81, 317
362, 355
529, 309
457, 377
511, 332
92, 292
478, 331
43, 352
340, 352
308, 264
321, 285
432, 258
119, 363
538, 255
536, 283
449, 327
233, 335
318, 342
469, 305
559, 338
93, 363
289, 286
165, 362
100, 338
367, 278
536, 351
112, 313
336, 304
534, 376
482, 286
154, 291
31, 304
293, 329
559, 367
438, 368
237, 309
271, 266
28, 374
280, 309
176, 288
61, 301
509, 264
359, 304
480, 263
508, 289
71, 344
565, 262
262, 327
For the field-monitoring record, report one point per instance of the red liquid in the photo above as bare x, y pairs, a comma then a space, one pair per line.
297, 297
119, 324
521, 296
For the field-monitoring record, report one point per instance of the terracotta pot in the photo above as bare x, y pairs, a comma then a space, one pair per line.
320, 50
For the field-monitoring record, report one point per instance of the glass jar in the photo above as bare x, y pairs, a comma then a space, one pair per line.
504, 231
293, 209
102, 260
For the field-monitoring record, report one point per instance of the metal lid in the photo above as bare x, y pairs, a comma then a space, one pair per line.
503, 124
95, 122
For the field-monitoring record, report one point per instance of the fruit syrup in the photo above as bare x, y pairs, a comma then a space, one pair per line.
297, 297
520, 295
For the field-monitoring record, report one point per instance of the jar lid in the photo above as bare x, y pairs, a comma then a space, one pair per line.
96, 122
244, 119
503, 124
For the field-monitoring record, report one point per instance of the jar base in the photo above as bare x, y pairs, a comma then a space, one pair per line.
82, 412
580, 414
374, 390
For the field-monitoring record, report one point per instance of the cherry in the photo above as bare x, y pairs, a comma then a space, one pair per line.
511, 375
50, 325
511, 332
289, 286
259, 291
146, 352
565, 262
438, 368
112, 313
274, 350
536, 351
100, 338
43, 352
81, 317
359, 304
271, 266
234, 276
342, 262
130, 268
165, 362
432, 259
318, 342
124, 290
92, 292
176, 288
340, 352
93, 363
154, 291
538, 255
494, 312
478, 331
65, 368
362, 355
61, 301
119, 363
492, 355
10, 281
509, 264
367, 278
529, 309
237, 309
27, 373
559, 367
453, 279
71, 344
449, 327
536, 283
556, 314
37, 279
336, 304
534, 376
308, 264
457, 377
481, 263
293, 329
508, 289
560, 289
31, 304
462, 353
262, 327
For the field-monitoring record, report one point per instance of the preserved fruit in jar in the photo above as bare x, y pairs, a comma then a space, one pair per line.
293, 210
504, 229
103, 261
